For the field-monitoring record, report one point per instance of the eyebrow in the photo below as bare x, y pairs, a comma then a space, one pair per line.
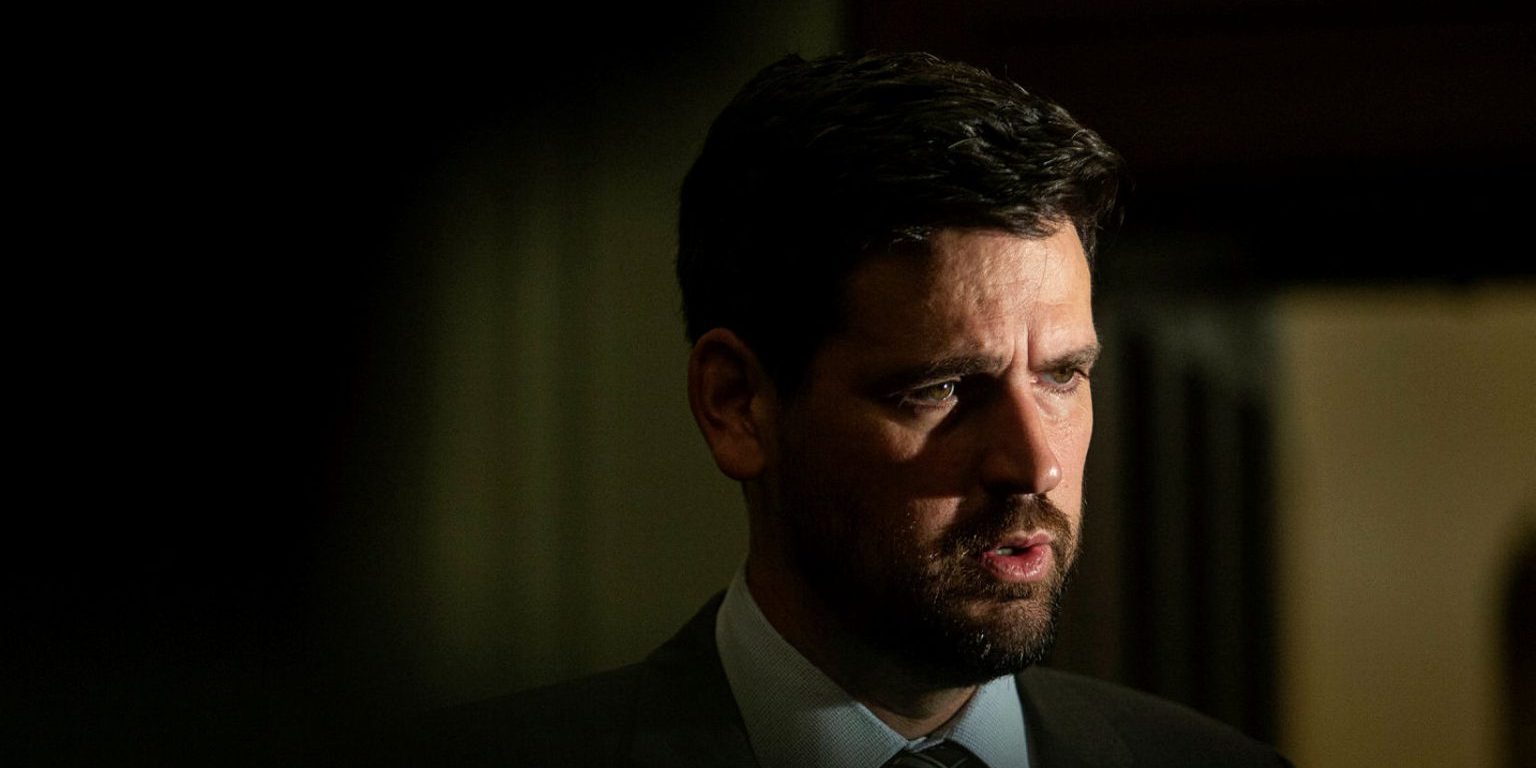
960, 366
1083, 358
944, 368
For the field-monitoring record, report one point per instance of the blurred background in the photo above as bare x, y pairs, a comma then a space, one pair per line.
351, 377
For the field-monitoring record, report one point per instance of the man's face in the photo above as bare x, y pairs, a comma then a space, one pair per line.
928, 474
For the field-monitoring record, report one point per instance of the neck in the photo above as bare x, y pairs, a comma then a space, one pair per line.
893, 692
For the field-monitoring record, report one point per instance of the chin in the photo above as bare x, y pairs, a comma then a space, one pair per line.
997, 629
1022, 638
972, 644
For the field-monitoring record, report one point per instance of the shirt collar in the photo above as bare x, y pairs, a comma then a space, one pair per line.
796, 716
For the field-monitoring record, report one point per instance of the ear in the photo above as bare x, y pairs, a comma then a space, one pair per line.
733, 402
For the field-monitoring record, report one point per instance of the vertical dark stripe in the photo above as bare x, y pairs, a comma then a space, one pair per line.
1170, 573
1198, 510
572, 335
1255, 436
1139, 467
1225, 589
1195, 551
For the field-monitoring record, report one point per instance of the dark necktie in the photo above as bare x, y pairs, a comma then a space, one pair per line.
945, 755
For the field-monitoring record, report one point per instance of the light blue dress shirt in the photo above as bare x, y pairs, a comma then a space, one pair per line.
796, 717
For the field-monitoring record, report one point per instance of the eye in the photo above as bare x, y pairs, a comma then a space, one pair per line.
1063, 379
937, 394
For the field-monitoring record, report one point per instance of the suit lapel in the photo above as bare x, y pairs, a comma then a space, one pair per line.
686, 715
1064, 728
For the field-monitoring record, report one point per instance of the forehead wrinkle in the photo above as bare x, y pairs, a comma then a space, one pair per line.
973, 311
963, 288
988, 275
983, 283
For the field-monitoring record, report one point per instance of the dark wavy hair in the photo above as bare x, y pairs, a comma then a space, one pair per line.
816, 164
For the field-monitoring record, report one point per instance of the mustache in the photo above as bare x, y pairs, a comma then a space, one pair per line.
980, 531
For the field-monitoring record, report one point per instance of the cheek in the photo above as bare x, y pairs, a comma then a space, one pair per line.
901, 489
893, 461
1078, 440
1070, 441
1074, 432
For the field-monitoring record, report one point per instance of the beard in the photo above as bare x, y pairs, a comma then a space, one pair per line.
933, 605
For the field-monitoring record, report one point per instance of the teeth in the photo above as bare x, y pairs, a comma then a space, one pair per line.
1004, 551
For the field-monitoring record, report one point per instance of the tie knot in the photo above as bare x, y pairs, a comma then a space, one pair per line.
943, 755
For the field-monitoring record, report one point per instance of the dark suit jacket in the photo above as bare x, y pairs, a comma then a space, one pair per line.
675, 709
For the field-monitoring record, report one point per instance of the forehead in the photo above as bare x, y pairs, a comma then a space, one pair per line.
970, 281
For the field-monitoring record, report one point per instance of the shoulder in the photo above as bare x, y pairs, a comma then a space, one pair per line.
674, 704
1067, 710
590, 712
587, 721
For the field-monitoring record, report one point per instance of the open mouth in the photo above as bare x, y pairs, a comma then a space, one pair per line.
1025, 558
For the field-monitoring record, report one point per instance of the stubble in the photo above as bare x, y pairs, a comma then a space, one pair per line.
934, 605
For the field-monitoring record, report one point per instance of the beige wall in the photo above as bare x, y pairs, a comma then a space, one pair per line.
1407, 426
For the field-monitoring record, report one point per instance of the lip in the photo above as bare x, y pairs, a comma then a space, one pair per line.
1032, 560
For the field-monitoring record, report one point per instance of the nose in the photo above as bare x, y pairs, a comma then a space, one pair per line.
1019, 457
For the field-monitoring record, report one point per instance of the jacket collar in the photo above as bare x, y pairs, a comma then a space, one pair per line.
1066, 729
686, 715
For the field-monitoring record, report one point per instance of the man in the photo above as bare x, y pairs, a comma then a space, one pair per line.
884, 263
